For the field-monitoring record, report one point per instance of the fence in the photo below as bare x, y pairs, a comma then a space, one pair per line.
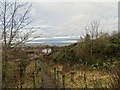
56, 76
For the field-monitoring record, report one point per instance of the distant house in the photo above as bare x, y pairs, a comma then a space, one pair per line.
46, 51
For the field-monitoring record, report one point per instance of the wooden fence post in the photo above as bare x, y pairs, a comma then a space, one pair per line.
34, 82
85, 77
40, 69
42, 83
55, 72
41, 79
63, 80
55, 76
57, 84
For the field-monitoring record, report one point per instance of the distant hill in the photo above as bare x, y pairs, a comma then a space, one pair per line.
54, 41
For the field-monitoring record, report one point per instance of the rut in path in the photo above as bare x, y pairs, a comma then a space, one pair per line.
47, 81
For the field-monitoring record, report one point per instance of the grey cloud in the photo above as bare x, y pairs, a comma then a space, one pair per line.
71, 18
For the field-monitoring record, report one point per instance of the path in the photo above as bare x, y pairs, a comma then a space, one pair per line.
47, 81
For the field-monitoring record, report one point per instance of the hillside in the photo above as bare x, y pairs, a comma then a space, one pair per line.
87, 64
98, 52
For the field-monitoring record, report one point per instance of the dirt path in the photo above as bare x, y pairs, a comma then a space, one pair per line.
47, 81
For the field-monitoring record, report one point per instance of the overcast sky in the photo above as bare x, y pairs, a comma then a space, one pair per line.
70, 18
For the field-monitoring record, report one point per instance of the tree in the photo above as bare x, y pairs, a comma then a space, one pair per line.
93, 29
14, 19
87, 48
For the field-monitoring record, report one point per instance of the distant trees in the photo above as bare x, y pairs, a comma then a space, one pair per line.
96, 48
113, 47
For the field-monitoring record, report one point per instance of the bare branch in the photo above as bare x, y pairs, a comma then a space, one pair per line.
13, 20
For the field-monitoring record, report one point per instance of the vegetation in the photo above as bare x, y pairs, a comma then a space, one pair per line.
103, 62
92, 62
105, 50
14, 18
88, 66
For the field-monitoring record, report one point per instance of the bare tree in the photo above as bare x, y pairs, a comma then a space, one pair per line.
93, 29
92, 32
14, 18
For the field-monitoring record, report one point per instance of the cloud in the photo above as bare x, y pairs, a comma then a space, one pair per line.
70, 0
70, 18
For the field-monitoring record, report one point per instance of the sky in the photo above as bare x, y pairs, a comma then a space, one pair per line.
70, 18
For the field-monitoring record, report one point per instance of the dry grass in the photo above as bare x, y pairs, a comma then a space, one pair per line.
83, 77
31, 68
13, 77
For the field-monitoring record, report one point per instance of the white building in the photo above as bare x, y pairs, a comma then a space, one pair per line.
46, 50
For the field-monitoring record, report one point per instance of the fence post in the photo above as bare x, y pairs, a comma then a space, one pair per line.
34, 84
85, 77
40, 69
55, 76
55, 72
41, 79
63, 80
42, 83
57, 79
40, 76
